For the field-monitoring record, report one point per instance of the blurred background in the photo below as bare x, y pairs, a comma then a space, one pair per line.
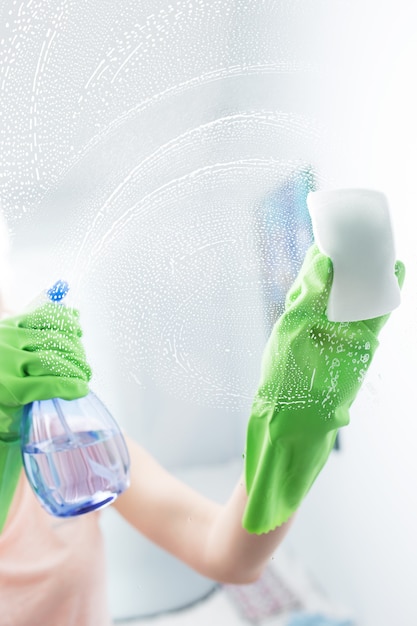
158, 155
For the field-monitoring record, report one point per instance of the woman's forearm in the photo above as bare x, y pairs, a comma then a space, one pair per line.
207, 536
237, 555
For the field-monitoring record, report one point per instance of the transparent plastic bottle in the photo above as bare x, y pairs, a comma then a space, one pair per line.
74, 453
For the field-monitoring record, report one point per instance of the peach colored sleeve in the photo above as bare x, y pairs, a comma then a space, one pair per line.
52, 570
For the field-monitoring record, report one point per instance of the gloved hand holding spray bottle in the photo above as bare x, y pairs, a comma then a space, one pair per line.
74, 454
73, 451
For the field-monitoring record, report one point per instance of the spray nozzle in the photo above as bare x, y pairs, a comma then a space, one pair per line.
58, 291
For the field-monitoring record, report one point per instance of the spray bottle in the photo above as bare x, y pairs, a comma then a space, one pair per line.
74, 453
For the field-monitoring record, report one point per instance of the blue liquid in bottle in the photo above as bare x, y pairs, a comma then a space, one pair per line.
74, 454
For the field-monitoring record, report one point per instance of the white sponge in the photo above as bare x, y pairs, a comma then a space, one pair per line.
353, 228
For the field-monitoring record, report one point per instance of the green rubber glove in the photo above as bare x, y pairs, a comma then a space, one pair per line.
41, 357
312, 370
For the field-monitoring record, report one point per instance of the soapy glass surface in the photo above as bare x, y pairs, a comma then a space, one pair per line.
144, 144
147, 145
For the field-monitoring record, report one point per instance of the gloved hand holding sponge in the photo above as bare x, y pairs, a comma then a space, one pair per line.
41, 357
312, 370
